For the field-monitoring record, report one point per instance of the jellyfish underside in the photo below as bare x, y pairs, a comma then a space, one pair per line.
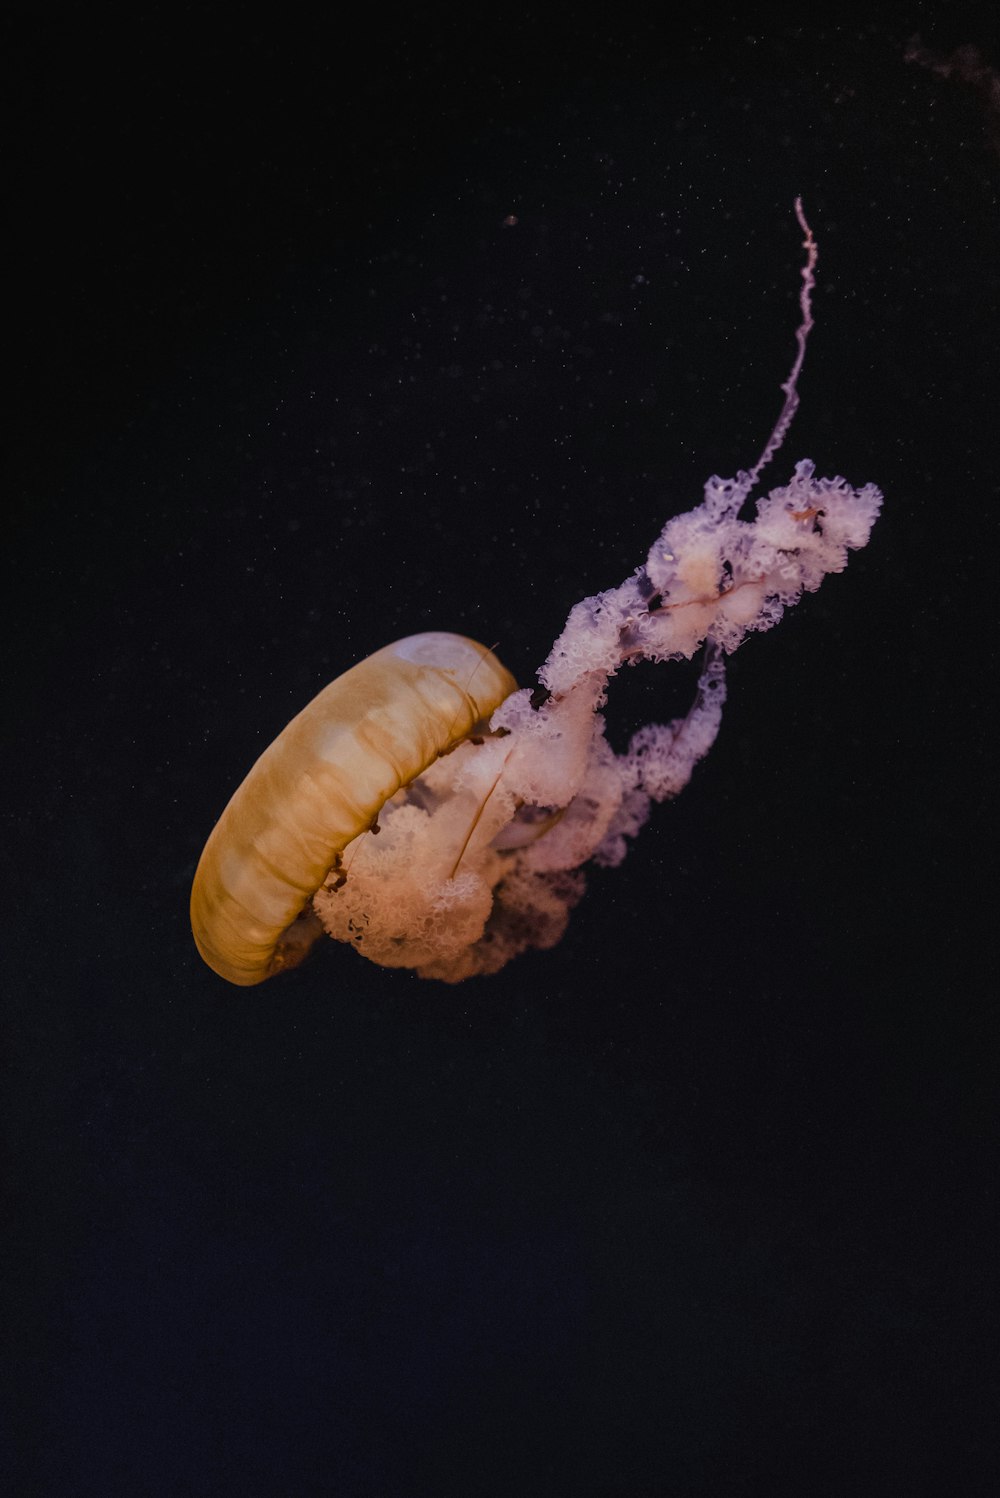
475, 850
482, 855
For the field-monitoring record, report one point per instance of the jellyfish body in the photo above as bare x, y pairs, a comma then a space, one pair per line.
483, 837
323, 782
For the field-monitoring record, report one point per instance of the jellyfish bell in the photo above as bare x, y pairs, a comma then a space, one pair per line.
321, 783
428, 812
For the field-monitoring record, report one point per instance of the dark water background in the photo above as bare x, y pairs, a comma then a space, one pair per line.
702, 1201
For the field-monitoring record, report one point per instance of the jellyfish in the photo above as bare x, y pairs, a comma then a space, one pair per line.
430, 813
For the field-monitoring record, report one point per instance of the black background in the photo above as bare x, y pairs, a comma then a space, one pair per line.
702, 1200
